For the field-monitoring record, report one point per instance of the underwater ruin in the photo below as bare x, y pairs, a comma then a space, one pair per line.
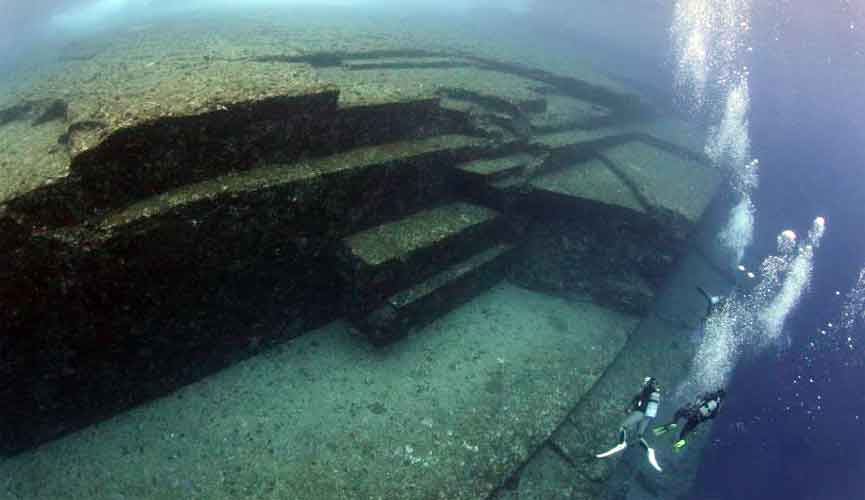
190, 210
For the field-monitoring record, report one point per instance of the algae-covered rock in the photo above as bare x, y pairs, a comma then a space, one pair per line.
619, 262
177, 198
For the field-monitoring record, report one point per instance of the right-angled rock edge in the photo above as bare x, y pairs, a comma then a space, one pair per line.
566, 466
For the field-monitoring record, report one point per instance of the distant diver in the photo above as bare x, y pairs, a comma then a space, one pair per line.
714, 303
705, 407
643, 408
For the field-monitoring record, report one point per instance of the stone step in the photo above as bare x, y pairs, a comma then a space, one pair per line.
112, 165
329, 58
667, 183
277, 131
296, 211
501, 116
325, 196
669, 133
499, 125
591, 180
555, 182
514, 104
428, 299
678, 135
509, 183
578, 140
405, 63
490, 181
566, 113
493, 168
383, 259
629, 173
603, 91
666, 132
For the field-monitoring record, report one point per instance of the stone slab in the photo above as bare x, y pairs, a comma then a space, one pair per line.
493, 167
426, 288
419, 62
665, 181
448, 413
384, 259
578, 138
660, 348
425, 300
591, 180
382, 244
418, 82
563, 112
681, 134
306, 176
546, 477
101, 99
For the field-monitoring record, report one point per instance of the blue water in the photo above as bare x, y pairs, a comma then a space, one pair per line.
795, 424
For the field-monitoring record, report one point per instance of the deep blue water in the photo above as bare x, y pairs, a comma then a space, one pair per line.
798, 438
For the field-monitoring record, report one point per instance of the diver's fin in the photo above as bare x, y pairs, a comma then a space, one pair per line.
612, 451
650, 454
663, 429
678, 445
653, 460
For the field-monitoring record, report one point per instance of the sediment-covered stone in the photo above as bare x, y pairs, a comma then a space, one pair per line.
143, 161
597, 255
154, 221
665, 182
427, 299
448, 413
547, 476
235, 218
567, 113
102, 99
383, 259
580, 142
378, 63
591, 180
490, 168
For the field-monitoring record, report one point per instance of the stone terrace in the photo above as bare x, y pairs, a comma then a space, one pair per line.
176, 199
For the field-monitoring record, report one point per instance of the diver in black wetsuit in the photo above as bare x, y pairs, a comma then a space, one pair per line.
705, 407
643, 408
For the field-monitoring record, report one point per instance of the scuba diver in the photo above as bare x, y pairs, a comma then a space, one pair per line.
705, 407
714, 303
643, 408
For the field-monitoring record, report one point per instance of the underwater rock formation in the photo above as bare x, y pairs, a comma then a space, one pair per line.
164, 218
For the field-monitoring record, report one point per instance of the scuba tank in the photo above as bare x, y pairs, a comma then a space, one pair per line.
652, 404
708, 408
650, 397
